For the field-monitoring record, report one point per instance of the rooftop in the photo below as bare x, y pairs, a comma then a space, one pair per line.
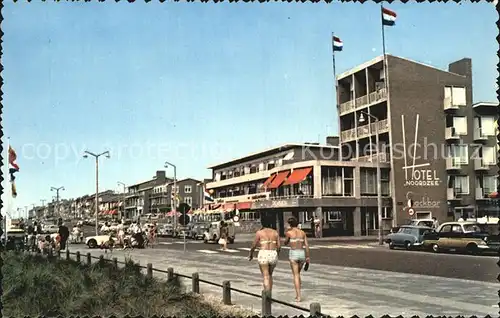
378, 59
270, 151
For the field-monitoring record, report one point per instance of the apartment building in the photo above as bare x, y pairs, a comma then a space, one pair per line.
137, 197
189, 191
440, 147
302, 180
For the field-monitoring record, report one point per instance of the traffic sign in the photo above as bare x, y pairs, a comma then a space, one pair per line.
236, 218
183, 220
411, 212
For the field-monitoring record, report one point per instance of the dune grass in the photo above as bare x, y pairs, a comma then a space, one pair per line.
36, 286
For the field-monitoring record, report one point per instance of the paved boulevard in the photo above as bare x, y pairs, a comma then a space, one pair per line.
344, 278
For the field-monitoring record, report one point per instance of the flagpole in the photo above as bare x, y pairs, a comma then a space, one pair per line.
383, 48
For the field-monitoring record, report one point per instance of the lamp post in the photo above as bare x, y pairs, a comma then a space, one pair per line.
96, 156
123, 199
379, 185
57, 197
174, 199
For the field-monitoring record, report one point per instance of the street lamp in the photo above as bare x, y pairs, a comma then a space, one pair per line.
57, 197
123, 200
96, 156
379, 185
174, 199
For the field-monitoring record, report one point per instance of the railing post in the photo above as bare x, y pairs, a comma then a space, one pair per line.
58, 254
170, 274
149, 273
314, 309
226, 292
195, 281
78, 259
266, 303
101, 259
51, 253
67, 255
115, 262
89, 259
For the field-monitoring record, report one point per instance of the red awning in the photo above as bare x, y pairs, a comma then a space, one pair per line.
243, 205
298, 175
278, 180
268, 181
228, 207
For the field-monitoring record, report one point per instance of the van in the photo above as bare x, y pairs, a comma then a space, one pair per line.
212, 233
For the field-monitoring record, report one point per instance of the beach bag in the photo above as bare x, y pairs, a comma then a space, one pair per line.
222, 241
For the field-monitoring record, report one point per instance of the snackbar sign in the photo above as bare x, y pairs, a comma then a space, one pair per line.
423, 178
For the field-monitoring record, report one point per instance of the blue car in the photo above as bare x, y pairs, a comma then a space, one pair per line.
408, 237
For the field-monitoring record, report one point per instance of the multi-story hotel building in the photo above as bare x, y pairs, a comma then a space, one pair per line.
437, 151
441, 147
303, 180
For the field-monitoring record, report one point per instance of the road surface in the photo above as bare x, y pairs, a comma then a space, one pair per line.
345, 290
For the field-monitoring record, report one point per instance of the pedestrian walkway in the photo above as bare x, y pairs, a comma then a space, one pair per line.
341, 291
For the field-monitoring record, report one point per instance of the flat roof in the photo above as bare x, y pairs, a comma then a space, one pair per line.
380, 58
270, 151
485, 104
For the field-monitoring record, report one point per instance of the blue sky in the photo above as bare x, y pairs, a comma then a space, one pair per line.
196, 84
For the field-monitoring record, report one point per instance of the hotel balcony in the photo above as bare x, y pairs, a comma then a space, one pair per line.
453, 163
452, 194
451, 134
483, 194
244, 198
479, 165
479, 135
362, 102
365, 131
448, 104
384, 157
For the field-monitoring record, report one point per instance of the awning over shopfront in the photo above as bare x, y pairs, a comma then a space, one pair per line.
244, 205
298, 175
278, 180
268, 181
494, 195
228, 207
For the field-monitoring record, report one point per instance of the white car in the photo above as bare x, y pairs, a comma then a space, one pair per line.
95, 241
50, 229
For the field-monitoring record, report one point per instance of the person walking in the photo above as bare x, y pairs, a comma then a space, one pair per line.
299, 253
64, 235
223, 235
435, 223
269, 242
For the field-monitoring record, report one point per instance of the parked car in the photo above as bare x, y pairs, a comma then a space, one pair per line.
50, 229
165, 230
416, 222
213, 231
408, 236
471, 237
196, 230
95, 241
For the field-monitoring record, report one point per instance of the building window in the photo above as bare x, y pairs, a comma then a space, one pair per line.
217, 176
460, 153
368, 182
331, 181
487, 125
487, 183
237, 172
270, 165
188, 201
261, 166
460, 184
488, 155
333, 216
188, 189
385, 182
253, 169
460, 125
387, 212
250, 216
457, 95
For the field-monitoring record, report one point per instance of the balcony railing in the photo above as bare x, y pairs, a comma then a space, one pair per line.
454, 194
483, 193
479, 135
448, 104
451, 134
479, 164
383, 157
363, 101
453, 163
365, 131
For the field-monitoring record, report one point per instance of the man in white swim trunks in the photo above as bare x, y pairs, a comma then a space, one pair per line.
269, 242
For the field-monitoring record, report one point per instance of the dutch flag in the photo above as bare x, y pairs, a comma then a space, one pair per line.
208, 197
337, 44
388, 17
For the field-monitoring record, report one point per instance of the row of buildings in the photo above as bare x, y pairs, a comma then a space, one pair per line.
148, 197
436, 148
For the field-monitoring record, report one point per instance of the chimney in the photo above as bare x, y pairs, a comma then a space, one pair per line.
333, 140
160, 175
462, 67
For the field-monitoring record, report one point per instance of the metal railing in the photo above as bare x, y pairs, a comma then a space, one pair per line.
314, 309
